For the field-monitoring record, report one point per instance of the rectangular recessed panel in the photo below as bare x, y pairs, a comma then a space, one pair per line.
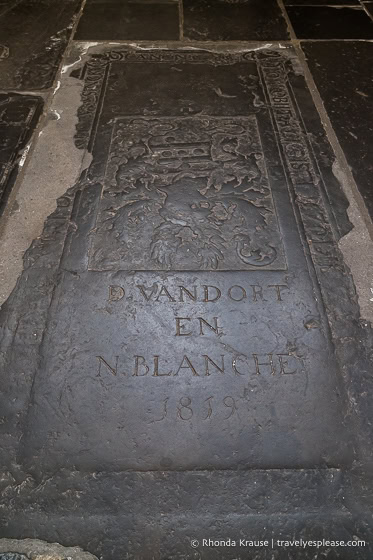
188, 193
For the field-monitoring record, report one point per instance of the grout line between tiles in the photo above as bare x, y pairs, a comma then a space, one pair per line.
181, 20
370, 15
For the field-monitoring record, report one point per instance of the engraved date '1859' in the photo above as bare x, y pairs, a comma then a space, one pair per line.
185, 409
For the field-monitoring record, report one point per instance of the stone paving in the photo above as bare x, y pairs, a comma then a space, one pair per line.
186, 264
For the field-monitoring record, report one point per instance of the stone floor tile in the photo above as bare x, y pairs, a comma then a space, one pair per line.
329, 22
342, 72
33, 38
137, 20
221, 20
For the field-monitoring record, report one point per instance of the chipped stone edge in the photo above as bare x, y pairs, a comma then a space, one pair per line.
36, 549
356, 245
32, 199
357, 248
12, 271
358, 242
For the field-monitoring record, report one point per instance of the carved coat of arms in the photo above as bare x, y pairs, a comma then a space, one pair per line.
187, 193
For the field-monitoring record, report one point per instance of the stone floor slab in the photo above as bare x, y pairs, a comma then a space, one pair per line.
185, 331
160, 514
346, 90
136, 19
328, 22
222, 20
170, 191
34, 36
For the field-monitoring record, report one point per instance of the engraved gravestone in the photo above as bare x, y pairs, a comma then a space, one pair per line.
183, 297
191, 336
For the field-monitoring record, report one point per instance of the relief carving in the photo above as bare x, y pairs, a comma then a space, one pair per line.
305, 180
197, 187
4, 51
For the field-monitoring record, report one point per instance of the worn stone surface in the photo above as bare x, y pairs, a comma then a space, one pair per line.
321, 2
33, 38
330, 22
183, 353
6, 5
227, 20
113, 20
51, 166
18, 117
33, 549
347, 93
12, 556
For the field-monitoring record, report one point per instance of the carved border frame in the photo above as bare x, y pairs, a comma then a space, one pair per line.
329, 270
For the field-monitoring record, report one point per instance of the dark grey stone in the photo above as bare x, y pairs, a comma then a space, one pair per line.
369, 8
233, 20
341, 71
330, 22
184, 356
18, 117
33, 37
137, 20
6, 5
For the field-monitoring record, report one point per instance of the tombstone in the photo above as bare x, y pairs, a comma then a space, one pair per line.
183, 356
